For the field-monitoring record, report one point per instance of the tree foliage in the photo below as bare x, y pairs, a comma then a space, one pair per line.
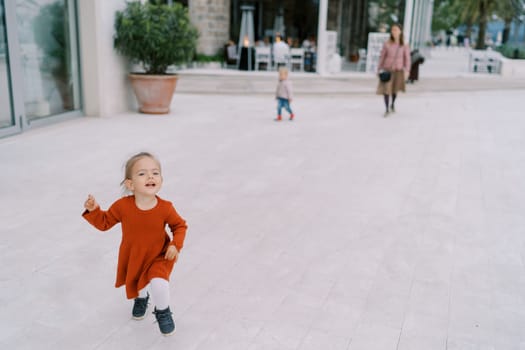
451, 13
445, 16
390, 11
155, 35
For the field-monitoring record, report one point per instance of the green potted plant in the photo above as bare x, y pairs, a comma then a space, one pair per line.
155, 36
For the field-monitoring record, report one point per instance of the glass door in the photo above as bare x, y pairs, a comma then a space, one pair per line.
39, 63
46, 31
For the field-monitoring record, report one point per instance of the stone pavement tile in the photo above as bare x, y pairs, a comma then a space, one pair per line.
137, 335
235, 334
375, 336
316, 339
509, 324
339, 317
193, 327
279, 335
316, 285
418, 342
465, 343
60, 313
444, 202
470, 318
297, 309
189, 334
429, 289
385, 308
257, 307
509, 285
431, 324
183, 301
354, 284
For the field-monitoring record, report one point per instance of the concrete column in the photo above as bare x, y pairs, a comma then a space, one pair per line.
321, 38
105, 87
212, 19
421, 22
407, 25
424, 22
428, 24
416, 24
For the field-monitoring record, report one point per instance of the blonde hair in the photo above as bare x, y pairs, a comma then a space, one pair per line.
131, 162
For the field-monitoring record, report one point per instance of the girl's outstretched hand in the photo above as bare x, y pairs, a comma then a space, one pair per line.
90, 204
171, 253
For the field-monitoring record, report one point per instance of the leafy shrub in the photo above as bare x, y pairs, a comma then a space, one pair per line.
208, 58
155, 35
510, 51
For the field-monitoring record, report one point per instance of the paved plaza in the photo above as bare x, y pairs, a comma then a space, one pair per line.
341, 230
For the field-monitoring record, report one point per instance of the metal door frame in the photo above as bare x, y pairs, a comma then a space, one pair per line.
13, 70
16, 78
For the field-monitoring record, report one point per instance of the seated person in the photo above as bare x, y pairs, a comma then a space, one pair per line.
281, 52
263, 43
309, 44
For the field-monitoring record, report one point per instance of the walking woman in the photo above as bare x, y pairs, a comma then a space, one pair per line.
395, 58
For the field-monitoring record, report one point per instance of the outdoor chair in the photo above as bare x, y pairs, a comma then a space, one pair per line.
297, 58
230, 56
263, 55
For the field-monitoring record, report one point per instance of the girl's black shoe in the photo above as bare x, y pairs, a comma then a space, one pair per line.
165, 321
139, 307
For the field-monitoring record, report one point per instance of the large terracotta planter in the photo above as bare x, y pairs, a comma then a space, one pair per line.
153, 92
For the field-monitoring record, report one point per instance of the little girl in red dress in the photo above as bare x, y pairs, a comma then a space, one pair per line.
147, 253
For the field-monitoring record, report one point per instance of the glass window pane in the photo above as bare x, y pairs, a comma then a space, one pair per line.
6, 116
46, 31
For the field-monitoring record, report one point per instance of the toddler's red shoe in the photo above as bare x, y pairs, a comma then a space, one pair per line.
292, 116
278, 119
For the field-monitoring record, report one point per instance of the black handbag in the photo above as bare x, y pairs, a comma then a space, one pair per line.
385, 76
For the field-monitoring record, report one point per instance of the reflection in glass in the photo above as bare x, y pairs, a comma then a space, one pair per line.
48, 57
6, 117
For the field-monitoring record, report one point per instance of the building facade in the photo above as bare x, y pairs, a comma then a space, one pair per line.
212, 19
39, 70
55, 64
301, 20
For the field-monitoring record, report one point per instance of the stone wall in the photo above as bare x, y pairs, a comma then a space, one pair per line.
212, 19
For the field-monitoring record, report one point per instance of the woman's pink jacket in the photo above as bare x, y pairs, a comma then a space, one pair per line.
392, 61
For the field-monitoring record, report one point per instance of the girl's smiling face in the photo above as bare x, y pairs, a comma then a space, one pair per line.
146, 178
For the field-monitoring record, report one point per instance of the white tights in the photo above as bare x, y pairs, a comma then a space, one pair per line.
160, 293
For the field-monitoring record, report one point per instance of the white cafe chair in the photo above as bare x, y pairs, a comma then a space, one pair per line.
297, 58
263, 55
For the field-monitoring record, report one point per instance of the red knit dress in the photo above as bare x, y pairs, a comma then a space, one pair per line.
144, 240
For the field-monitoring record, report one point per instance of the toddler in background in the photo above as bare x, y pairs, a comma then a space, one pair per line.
284, 94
